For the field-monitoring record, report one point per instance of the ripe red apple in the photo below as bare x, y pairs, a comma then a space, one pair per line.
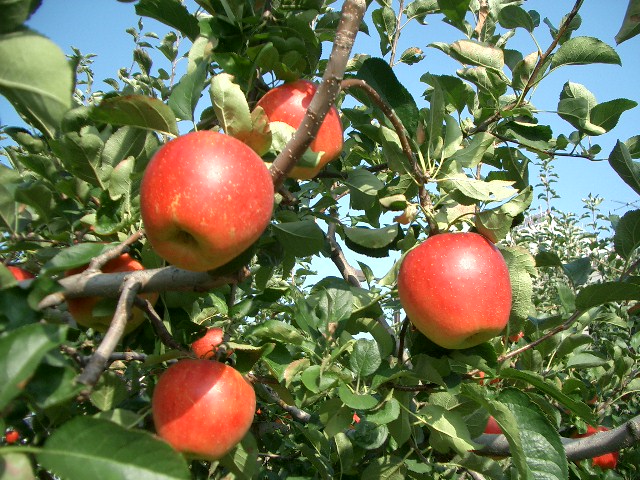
205, 198
207, 346
455, 289
492, 426
288, 103
19, 274
11, 436
81, 309
608, 460
202, 407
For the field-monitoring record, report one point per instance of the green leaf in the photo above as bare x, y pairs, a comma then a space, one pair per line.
469, 52
21, 351
230, 105
185, 95
586, 360
279, 331
389, 412
109, 392
606, 114
137, 111
301, 238
600, 293
364, 187
541, 443
578, 270
81, 154
454, 10
15, 13
621, 161
551, 389
89, 447
365, 358
521, 270
36, 78
492, 191
374, 242
243, 459
627, 236
379, 75
317, 380
584, 50
471, 155
74, 256
172, 13
448, 428
630, 26
354, 400
513, 16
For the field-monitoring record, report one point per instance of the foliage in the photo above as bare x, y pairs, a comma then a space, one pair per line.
345, 388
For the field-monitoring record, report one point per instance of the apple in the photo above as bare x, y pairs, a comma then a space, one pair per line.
202, 408
205, 197
207, 345
288, 103
11, 436
20, 274
492, 426
455, 289
607, 461
81, 309
514, 338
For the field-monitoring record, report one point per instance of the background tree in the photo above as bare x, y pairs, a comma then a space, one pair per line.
345, 387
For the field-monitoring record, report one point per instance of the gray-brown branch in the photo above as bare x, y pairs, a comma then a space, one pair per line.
325, 97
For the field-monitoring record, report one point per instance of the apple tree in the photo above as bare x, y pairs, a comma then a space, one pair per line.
307, 314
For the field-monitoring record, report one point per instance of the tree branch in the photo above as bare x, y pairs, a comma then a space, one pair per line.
100, 358
158, 326
626, 435
152, 280
270, 395
101, 260
325, 97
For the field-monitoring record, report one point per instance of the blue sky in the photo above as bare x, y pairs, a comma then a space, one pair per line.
99, 27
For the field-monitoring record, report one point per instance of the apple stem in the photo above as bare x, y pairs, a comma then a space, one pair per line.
350, 20
100, 358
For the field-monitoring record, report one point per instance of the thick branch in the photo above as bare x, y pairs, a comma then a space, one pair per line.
325, 97
153, 280
576, 449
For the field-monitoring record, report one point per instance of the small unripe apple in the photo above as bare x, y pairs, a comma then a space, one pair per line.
11, 436
606, 461
455, 289
81, 309
288, 103
207, 345
202, 408
205, 198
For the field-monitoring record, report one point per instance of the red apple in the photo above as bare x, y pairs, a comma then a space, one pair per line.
514, 338
288, 103
81, 309
11, 436
202, 408
455, 289
608, 460
207, 345
205, 198
19, 273
492, 426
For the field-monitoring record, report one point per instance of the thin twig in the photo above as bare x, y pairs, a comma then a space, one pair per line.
271, 396
100, 359
158, 326
101, 260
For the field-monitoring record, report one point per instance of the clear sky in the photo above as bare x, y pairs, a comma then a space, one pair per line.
98, 27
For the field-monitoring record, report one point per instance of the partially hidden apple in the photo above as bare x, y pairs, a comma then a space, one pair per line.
606, 461
202, 408
207, 345
19, 274
288, 103
81, 309
205, 198
492, 426
11, 436
515, 337
455, 289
